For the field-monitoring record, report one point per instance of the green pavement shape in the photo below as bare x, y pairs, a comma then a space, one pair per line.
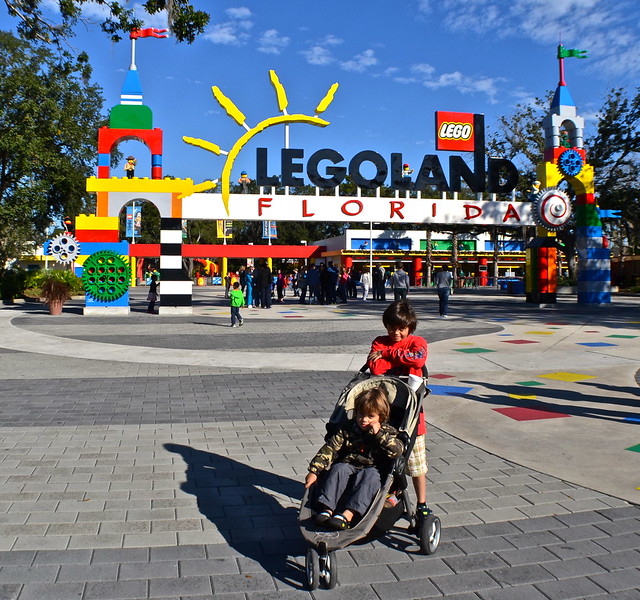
473, 350
622, 336
529, 383
635, 448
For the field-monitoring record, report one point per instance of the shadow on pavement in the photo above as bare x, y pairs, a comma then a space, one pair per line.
241, 502
574, 409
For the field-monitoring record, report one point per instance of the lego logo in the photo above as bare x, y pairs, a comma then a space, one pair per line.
455, 131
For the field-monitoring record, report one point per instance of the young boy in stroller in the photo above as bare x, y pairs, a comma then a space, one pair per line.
353, 457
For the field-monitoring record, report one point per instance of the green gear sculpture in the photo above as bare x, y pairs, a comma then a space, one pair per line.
106, 276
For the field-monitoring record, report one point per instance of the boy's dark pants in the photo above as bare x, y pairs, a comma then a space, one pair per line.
358, 485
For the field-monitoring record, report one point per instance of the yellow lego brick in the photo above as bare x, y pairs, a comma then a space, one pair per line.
91, 222
183, 187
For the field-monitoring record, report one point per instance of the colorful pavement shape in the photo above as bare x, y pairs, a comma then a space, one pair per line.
520, 342
564, 376
635, 448
473, 350
519, 413
595, 344
449, 390
539, 332
529, 383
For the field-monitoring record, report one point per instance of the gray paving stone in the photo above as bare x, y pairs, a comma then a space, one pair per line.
524, 556
464, 582
575, 567
475, 562
148, 570
406, 590
24, 574
52, 591
183, 586
242, 583
520, 575
618, 560
116, 590
365, 575
120, 555
10, 592
569, 589
95, 572
624, 579
628, 541
522, 592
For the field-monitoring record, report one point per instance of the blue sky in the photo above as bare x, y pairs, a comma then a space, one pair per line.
396, 63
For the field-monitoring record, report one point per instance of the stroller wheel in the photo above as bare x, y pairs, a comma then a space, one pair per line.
312, 565
430, 535
329, 570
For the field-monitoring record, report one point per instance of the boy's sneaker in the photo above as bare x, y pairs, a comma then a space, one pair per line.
234, 325
422, 512
241, 322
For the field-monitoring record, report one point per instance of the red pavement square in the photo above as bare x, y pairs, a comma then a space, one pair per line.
520, 413
519, 342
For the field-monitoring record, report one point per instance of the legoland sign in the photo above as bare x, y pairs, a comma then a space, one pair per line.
454, 131
327, 169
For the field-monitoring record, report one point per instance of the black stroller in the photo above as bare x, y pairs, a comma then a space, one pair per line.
392, 501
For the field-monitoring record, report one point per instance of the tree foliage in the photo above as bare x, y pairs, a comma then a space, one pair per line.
614, 152
49, 113
120, 18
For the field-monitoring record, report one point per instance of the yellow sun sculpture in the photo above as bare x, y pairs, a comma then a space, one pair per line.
236, 114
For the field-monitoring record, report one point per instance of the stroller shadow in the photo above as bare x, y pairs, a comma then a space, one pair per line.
241, 502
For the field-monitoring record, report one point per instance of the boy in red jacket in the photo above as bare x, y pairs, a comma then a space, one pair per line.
400, 353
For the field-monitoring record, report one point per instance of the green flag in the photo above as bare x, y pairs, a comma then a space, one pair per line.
571, 52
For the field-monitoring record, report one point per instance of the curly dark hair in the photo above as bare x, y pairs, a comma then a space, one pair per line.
400, 314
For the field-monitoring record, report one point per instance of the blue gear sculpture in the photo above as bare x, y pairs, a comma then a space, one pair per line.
570, 163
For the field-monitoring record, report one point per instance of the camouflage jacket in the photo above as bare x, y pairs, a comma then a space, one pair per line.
361, 448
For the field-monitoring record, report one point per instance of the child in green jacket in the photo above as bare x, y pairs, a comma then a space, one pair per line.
236, 300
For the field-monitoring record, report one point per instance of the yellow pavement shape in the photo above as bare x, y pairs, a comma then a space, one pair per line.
539, 332
466, 344
521, 397
564, 376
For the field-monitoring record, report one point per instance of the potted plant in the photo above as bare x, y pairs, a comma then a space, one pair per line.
54, 292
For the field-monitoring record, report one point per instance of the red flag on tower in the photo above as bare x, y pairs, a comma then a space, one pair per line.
148, 32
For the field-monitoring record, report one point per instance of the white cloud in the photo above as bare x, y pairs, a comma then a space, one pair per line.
360, 62
271, 42
423, 69
609, 30
331, 40
241, 12
317, 55
426, 75
233, 32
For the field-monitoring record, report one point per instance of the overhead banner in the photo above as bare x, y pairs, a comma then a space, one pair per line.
224, 229
254, 207
270, 230
133, 227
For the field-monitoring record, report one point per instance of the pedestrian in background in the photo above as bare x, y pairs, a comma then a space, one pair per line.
236, 299
400, 283
443, 281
